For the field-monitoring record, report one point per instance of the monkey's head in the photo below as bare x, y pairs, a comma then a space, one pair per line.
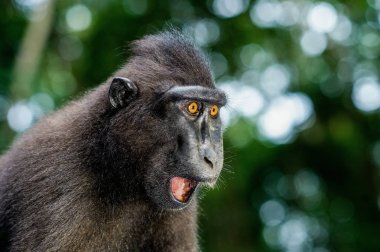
166, 119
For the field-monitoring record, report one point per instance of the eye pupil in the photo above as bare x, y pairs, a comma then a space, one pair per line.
193, 108
214, 111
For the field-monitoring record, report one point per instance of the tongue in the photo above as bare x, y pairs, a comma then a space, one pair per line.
181, 188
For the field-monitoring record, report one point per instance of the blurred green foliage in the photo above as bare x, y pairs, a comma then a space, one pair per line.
302, 149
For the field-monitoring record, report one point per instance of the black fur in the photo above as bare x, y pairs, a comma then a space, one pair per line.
76, 180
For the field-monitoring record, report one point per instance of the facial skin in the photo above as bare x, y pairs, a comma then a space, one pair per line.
197, 156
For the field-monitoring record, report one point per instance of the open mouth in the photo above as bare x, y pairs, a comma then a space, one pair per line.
182, 188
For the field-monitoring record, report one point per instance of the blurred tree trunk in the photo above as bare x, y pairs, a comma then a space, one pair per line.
31, 50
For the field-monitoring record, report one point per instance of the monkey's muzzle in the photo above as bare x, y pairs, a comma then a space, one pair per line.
182, 188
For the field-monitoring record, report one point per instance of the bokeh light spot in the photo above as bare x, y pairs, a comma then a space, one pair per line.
289, 15
283, 114
271, 13
266, 13
272, 213
41, 104
275, 79
366, 94
204, 32
322, 17
228, 8
254, 56
27, 5
78, 18
342, 30
270, 235
70, 48
370, 39
243, 100
293, 234
306, 183
20, 117
313, 43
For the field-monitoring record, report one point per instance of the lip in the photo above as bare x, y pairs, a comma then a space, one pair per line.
198, 181
181, 189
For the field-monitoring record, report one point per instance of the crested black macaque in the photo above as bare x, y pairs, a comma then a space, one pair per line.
120, 168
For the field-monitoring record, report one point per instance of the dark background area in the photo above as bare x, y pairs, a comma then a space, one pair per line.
302, 149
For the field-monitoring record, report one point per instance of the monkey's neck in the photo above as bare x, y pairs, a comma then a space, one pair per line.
147, 228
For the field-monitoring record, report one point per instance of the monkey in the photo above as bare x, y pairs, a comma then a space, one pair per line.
119, 169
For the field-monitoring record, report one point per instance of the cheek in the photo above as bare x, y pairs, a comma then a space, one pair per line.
160, 157
217, 134
152, 135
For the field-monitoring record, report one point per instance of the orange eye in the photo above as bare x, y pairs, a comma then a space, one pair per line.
214, 111
193, 108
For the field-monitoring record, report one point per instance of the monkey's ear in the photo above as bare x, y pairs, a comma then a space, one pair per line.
121, 92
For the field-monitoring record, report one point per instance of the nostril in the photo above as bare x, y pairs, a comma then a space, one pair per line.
208, 162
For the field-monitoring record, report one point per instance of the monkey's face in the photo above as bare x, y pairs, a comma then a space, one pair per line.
184, 144
192, 153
